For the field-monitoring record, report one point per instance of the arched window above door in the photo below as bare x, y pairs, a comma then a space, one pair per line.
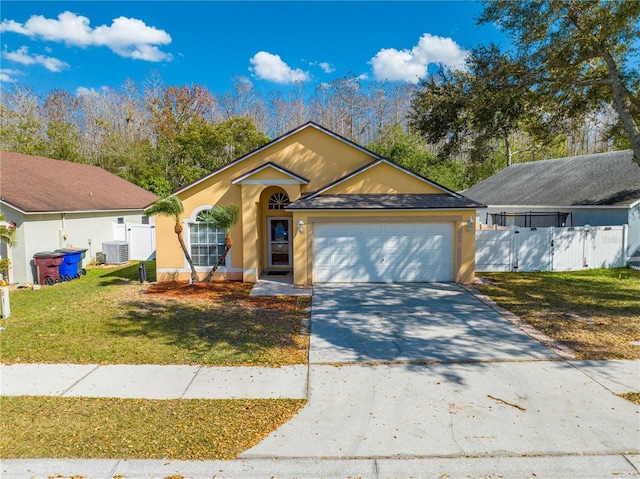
278, 201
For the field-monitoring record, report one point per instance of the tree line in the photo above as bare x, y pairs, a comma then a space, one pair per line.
163, 137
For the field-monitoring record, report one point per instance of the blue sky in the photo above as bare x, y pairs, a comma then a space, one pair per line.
92, 44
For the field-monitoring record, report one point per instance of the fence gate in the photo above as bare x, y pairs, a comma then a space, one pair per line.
550, 249
141, 239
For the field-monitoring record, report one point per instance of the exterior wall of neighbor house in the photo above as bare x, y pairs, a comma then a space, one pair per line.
48, 232
600, 217
464, 246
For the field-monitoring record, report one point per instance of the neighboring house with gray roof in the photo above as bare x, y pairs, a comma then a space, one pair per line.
599, 190
59, 204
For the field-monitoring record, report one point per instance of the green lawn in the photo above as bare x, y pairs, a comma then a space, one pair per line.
594, 312
90, 428
107, 317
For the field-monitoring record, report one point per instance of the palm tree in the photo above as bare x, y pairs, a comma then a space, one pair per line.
7, 232
223, 218
171, 206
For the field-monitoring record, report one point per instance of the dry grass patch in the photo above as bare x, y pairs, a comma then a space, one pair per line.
596, 313
98, 428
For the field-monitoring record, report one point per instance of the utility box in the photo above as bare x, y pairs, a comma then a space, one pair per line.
5, 305
116, 252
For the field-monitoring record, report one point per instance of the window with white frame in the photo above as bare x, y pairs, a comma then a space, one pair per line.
278, 201
206, 241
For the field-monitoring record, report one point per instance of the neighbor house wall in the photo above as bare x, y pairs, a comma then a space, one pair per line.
600, 217
51, 231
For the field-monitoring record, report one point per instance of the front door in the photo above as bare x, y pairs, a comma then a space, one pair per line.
279, 241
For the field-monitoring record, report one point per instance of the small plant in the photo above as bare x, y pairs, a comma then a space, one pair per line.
5, 264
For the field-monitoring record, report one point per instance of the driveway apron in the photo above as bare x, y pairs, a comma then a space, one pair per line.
424, 370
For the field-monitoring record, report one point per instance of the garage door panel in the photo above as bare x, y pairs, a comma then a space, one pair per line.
389, 252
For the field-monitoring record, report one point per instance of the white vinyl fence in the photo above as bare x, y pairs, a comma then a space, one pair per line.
141, 239
551, 249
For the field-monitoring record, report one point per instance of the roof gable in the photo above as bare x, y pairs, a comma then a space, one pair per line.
34, 184
268, 173
605, 179
383, 177
309, 151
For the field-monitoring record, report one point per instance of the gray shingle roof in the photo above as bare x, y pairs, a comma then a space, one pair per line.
384, 202
36, 184
601, 179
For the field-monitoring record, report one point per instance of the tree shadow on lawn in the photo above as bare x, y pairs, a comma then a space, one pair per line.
129, 272
215, 324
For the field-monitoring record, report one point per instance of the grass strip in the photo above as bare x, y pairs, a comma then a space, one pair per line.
108, 317
98, 428
595, 312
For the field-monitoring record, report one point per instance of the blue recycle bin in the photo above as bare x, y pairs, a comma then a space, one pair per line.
71, 266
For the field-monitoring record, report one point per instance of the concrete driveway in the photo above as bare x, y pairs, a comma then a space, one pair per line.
412, 322
423, 370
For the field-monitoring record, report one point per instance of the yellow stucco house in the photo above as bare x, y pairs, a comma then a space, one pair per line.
320, 208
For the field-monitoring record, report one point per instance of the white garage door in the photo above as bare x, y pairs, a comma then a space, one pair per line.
388, 252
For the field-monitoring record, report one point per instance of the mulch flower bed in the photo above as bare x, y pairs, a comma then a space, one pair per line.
222, 291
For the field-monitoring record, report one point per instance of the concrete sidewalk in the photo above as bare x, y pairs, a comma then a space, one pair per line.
153, 382
541, 467
200, 382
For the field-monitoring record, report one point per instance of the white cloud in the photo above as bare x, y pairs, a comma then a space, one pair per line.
268, 66
84, 91
411, 65
8, 76
127, 37
22, 56
326, 67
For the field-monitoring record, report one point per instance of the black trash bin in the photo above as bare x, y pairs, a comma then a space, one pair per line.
47, 265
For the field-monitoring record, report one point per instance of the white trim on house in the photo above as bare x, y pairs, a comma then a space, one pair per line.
68, 212
270, 182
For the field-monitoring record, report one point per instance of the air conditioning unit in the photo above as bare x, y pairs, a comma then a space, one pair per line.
116, 252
